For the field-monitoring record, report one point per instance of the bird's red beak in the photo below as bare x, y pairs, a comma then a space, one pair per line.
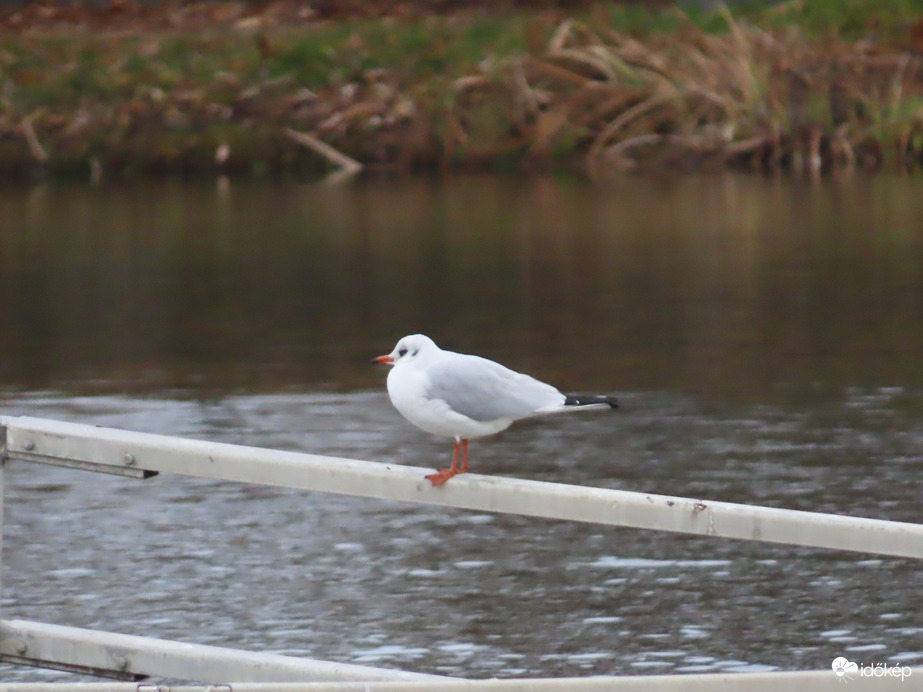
383, 360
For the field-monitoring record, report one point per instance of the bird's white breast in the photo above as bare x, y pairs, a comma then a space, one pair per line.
409, 389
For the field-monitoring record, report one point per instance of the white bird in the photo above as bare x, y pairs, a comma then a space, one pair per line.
461, 396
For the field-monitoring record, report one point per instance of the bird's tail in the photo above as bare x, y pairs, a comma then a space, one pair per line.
585, 401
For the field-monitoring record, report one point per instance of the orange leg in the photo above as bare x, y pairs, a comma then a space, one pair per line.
464, 466
442, 475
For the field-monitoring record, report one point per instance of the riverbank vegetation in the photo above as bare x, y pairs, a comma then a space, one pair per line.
120, 88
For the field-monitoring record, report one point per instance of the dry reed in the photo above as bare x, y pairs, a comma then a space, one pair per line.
746, 98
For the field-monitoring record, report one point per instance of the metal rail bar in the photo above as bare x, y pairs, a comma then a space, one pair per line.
35, 439
108, 449
130, 657
790, 681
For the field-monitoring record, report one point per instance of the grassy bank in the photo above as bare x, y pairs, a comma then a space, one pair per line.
125, 89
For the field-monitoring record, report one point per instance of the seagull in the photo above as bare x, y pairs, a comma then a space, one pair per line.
462, 396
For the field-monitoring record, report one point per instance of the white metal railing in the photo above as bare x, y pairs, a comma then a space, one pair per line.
130, 657
142, 455
802, 681
133, 453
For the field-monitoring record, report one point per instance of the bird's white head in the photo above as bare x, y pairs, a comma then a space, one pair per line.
408, 349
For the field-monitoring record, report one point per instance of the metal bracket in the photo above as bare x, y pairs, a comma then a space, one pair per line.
82, 465
120, 675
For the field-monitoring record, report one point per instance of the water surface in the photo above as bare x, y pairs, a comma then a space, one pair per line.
762, 335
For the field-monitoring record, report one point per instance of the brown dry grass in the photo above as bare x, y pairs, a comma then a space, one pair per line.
747, 98
575, 91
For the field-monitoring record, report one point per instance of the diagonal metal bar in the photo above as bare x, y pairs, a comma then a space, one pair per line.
131, 657
790, 681
35, 439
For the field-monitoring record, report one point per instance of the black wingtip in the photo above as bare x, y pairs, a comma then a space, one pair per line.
591, 400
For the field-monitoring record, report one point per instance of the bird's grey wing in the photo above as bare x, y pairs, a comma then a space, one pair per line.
484, 390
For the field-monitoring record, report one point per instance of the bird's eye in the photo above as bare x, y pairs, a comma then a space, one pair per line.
402, 352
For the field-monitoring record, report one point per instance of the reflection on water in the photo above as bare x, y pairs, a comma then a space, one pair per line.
763, 337
726, 286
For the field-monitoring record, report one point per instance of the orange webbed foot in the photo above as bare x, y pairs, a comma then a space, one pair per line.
442, 475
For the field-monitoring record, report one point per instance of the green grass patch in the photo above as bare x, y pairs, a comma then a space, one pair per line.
847, 19
884, 20
339, 54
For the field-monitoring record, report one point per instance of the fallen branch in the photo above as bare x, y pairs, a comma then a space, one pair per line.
35, 147
746, 146
348, 165
615, 151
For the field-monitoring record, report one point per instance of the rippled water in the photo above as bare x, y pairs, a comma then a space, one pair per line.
763, 336
472, 594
